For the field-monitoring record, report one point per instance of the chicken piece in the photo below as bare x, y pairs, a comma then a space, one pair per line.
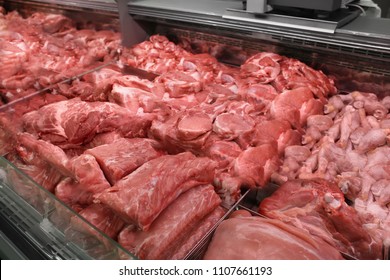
350, 121
372, 139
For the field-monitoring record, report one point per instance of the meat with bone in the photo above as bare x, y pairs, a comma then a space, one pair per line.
75, 122
141, 196
172, 226
256, 238
123, 156
319, 207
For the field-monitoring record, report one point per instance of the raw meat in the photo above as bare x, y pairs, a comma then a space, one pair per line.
102, 218
75, 122
255, 238
199, 232
87, 180
255, 165
123, 156
318, 206
172, 226
141, 196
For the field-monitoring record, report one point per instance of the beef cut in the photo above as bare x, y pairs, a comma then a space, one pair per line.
141, 196
172, 226
256, 238
123, 156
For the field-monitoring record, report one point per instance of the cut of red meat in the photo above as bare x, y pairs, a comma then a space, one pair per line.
102, 218
75, 122
44, 175
256, 164
199, 231
287, 105
142, 195
318, 206
256, 238
87, 180
42, 153
229, 125
193, 125
178, 84
173, 224
264, 67
123, 156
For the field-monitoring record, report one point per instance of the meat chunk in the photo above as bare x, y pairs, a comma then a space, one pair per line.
87, 180
255, 238
172, 226
141, 196
102, 218
75, 122
318, 206
123, 156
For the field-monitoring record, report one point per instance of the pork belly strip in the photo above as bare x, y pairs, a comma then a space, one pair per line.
256, 238
142, 195
172, 225
123, 156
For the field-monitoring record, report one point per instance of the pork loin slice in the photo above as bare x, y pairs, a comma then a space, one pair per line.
141, 196
123, 156
256, 238
172, 225
193, 125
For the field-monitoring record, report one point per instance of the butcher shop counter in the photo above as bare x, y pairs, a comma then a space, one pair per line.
365, 68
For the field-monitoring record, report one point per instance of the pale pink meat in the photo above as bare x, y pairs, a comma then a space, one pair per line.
193, 125
172, 226
141, 196
256, 238
123, 156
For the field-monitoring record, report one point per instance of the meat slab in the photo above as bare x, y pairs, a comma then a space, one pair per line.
141, 196
123, 156
256, 238
172, 225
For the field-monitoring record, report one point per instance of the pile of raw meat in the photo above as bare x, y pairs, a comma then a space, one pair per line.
43, 49
155, 163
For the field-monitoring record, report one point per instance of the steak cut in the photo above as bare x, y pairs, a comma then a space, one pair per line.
142, 195
174, 223
123, 156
